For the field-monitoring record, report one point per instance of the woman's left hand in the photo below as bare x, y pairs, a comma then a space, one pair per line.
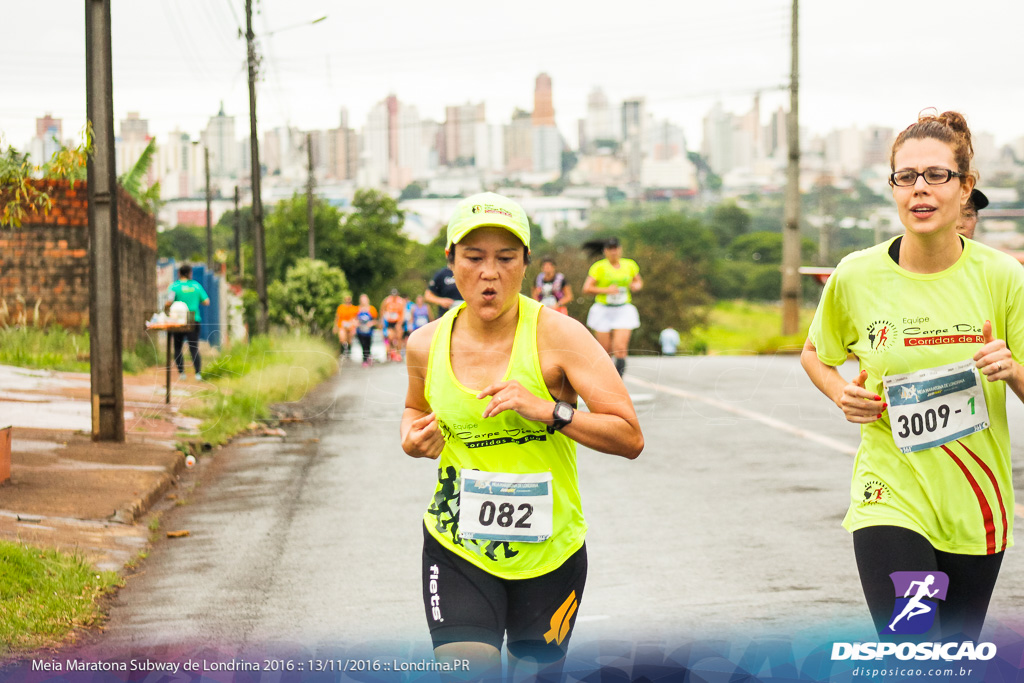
511, 395
994, 360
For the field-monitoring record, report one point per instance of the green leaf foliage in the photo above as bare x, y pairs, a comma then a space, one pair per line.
308, 297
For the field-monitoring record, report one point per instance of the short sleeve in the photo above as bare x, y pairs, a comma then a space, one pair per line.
595, 271
832, 331
1014, 335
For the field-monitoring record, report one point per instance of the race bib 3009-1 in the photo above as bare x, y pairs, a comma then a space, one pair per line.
932, 407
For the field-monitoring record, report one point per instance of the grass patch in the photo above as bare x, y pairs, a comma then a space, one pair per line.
745, 328
248, 378
57, 348
44, 594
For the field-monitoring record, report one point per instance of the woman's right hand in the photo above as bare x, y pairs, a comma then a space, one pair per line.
858, 404
424, 438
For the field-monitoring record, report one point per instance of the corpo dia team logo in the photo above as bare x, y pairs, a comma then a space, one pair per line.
917, 596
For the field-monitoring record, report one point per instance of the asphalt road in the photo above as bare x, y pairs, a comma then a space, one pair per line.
727, 525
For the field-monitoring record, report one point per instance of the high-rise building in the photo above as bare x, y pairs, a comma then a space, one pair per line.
47, 139
219, 138
173, 160
543, 105
392, 145
633, 137
459, 133
342, 161
600, 118
131, 143
519, 143
547, 149
48, 126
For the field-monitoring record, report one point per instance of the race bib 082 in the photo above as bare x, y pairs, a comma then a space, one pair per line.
494, 506
932, 407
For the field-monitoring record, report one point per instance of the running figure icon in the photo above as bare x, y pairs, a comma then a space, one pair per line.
915, 606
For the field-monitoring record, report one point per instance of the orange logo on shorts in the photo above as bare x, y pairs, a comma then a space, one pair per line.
560, 622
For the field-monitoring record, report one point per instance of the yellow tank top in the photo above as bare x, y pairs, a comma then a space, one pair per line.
505, 443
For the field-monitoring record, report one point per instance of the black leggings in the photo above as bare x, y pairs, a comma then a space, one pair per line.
881, 550
192, 337
366, 341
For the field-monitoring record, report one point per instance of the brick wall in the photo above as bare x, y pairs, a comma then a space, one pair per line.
45, 262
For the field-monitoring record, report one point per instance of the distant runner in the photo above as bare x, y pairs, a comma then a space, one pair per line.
613, 317
366, 320
345, 323
550, 287
442, 291
392, 312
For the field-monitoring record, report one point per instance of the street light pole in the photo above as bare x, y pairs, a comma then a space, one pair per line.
310, 185
259, 254
791, 229
209, 216
106, 385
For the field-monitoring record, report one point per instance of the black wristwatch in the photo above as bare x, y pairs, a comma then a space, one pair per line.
561, 416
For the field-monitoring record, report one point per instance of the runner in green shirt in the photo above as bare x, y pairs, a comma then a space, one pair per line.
192, 294
932, 319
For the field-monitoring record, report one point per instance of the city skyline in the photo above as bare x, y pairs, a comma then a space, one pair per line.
681, 62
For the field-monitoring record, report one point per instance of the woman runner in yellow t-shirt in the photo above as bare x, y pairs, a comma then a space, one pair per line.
493, 386
613, 317
925, 313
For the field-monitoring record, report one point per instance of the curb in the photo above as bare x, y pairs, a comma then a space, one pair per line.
140, 506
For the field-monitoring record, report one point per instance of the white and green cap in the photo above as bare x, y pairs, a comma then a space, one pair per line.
488, 209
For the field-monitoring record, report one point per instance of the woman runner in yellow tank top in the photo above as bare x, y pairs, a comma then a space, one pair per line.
493, 386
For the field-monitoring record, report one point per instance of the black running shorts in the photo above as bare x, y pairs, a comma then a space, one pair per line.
464, 603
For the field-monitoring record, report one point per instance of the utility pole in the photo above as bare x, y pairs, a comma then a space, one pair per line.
259, 254
209, 215
310, 185
238, 239
106, 373
791, 229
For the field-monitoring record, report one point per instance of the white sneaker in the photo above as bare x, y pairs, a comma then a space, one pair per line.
199, 378
182, 377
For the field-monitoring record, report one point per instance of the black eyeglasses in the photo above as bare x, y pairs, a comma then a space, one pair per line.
932, 176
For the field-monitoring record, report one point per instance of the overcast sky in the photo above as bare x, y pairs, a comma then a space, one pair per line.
874, 62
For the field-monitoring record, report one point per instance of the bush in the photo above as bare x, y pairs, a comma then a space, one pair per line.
308, 297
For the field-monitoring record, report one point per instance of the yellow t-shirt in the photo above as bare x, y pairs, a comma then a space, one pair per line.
959, 495
605, 275
506, 443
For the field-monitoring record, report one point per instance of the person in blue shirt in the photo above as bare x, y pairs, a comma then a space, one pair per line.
192, 294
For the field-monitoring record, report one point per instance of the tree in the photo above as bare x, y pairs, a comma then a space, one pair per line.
20, 196
412, 191
729, 221
308, 296
287, 235
370, 243
687, 237
131, 181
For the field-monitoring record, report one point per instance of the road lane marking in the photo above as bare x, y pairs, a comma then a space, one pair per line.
765, 420
750, 415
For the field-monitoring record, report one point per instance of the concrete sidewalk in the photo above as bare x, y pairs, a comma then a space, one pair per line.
69, 492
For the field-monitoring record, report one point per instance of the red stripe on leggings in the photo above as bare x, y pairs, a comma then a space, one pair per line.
995, 485
986, 510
